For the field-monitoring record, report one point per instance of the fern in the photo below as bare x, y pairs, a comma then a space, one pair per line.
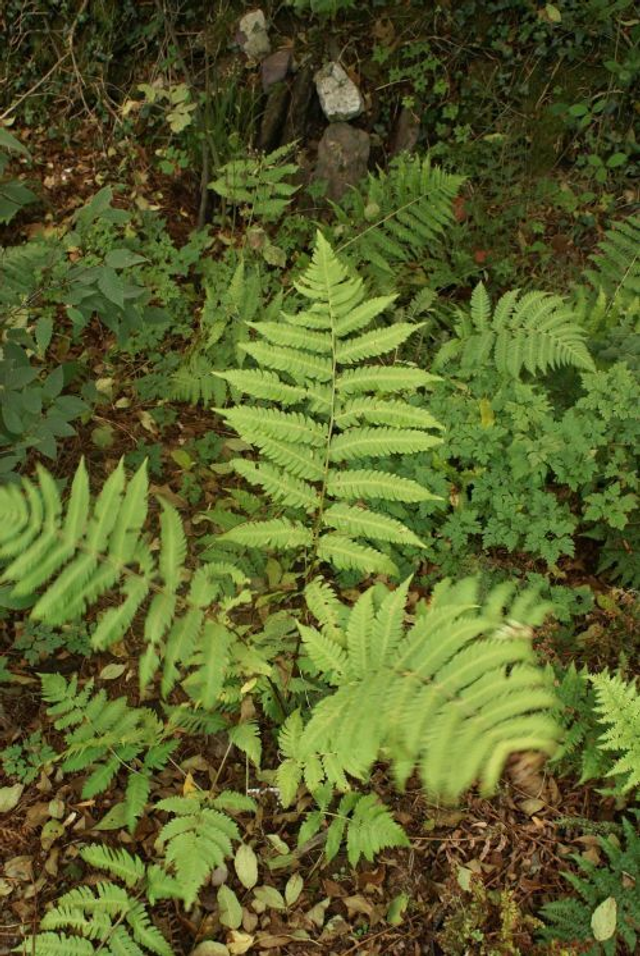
107, 918
535, 331
577, 712
75, 554
570, 919
455, 693
258, 185
609, 302
360, 820
399, 214
616, 264
618, 707
233, 297
199, 838
107, 736
329, 408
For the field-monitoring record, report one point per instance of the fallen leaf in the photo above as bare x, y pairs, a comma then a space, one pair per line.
10, 797
240, 943
293, 889
229, 908
604, 919
246, 865
112, 671
19, 868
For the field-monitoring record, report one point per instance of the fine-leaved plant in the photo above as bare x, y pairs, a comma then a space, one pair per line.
327, 406
453, 694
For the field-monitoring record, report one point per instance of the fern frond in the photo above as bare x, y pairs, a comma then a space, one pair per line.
362, 523
349, 555
119, 863
536, 332
107, 735
354, 443
454, 694
334, 413
618, 707
414, 200
76, 553
361, 483
197, 840
616, 264
279, 485
275, 533
257, 184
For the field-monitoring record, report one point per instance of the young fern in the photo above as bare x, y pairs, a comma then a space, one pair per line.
105, 736
454, 694
618, 708
399, 214
616, 886
108, 918
616, 265
535, 331
328, 407
200, 837
74, 555
258, 185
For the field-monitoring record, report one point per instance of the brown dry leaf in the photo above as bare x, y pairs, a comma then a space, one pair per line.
359, 904
317, 913
268, 941
19, 868
531, 805
239, 943
334, 889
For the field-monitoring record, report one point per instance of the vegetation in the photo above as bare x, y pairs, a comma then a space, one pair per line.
319, 540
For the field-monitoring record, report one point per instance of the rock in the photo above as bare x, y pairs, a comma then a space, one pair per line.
302, 103
339, 96
406, 133
343, 154
252, 35
273, 118
274, 68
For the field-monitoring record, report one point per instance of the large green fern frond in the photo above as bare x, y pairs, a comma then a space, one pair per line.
318, 365
454, 694
65, 558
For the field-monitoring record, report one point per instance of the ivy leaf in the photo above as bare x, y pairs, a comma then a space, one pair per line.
604, 919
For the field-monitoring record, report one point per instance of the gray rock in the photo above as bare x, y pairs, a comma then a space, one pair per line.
274, 68
339, 96
406, 133
252, 35
343, 155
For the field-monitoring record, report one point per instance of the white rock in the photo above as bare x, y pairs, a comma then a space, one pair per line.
253, 36
340, 98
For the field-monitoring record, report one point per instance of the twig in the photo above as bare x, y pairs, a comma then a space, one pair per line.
35, 86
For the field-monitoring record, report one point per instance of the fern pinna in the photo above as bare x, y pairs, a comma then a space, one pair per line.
535, 331
328, 408
454, 694
76, 553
